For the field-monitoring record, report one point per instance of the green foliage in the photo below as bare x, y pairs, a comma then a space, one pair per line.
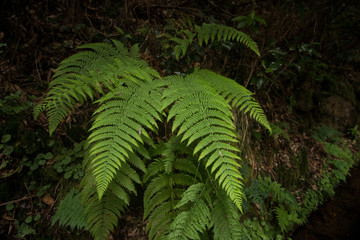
251, 20
225, 217
132, 100
179, 205
195, 217
102, 214
11, 104
287, 211
167, 178
297, 64
23, 230
5, 147
355, 132
70, 212
69, 161
213, 32
279, 129
126, 111
39, 160
253, 229
281, 209
325, 133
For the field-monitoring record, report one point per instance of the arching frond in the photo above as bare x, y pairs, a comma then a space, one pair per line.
166, 187
211, 32
195, 105
194, 217
119, 126
86, 74
225, 218
239, 97
102, 215
214, 31
70, 211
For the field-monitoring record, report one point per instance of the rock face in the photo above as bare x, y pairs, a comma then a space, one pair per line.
340, 110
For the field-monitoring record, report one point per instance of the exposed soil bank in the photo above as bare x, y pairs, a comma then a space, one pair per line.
338, 218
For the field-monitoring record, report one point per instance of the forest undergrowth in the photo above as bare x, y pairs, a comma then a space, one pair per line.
303, 75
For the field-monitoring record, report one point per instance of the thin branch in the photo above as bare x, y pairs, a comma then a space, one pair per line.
17, 200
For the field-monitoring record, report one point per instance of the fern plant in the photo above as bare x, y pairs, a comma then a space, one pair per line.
70, 211
211, 32
132, 100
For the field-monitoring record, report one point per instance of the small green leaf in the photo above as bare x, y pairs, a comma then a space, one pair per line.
5, 138
70, 152
8, 150
39, 156
4, 164
9, 206
57, 165
28, 219
42, 162
64, 151
37, 217
68, 174
34, 166
79, 154
66, 160
48, 156
77, 147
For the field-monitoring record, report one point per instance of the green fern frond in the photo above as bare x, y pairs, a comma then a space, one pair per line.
279, 193
118, 128
88, 73
326, 133
225, 218
343, 153
166, 186
160, 197
254, 194
70, 212
239, 97
194, 217
196, 105
212, 32
282, 217
72, 82
102, 215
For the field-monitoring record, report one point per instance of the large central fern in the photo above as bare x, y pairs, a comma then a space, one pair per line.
132, 99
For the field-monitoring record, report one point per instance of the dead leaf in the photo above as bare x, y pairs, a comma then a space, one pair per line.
47, 199
51, 161
6, 217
